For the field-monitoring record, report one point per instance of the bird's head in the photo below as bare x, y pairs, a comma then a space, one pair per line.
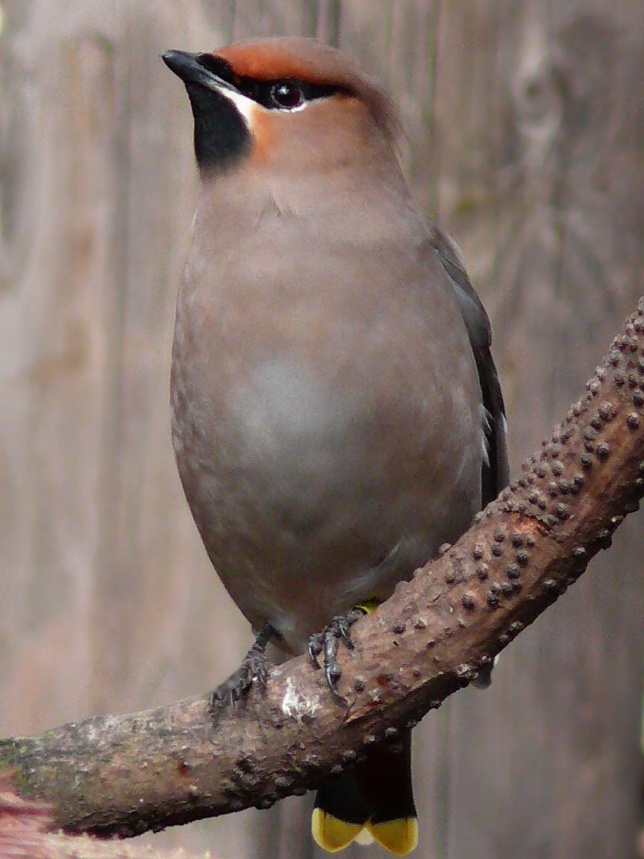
285, 104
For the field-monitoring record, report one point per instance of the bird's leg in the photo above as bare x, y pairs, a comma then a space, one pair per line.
254, 667
328, 641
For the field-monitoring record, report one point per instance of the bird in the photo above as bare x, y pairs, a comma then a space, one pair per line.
336, 414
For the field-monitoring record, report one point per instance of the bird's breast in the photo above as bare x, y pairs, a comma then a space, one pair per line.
322, 426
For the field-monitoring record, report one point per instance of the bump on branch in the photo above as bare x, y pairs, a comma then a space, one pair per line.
128, 774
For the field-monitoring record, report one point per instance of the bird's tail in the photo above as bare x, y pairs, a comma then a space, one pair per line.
372, 801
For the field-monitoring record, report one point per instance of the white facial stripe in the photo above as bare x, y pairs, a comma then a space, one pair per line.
297, 109
247, 107
243, 104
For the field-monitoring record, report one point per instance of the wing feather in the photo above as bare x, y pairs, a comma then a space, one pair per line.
496, 471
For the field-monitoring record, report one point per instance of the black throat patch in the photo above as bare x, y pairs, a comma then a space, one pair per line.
221, 135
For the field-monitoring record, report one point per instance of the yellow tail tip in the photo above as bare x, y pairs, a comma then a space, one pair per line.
331, 833
400, 836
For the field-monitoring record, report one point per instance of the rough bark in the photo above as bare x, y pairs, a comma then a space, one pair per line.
128, 774
25, 834
526, 130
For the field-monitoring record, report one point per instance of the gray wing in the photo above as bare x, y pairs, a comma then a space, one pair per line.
496, 472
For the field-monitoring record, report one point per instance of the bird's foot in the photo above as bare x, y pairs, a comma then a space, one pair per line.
328, 641
254, 669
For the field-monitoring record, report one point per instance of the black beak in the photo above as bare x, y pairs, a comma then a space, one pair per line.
221, 133
198, 69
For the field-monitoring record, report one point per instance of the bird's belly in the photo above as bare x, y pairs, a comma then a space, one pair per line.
311, 496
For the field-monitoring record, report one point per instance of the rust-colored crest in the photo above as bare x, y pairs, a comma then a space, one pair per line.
310, 61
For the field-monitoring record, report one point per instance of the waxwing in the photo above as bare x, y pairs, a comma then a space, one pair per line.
336, 413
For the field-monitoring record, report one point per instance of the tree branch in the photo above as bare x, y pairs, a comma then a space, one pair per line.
128, 774
25, 832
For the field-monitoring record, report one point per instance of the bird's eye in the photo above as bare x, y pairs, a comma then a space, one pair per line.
286, 95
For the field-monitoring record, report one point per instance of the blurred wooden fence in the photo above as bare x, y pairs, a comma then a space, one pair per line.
527, 127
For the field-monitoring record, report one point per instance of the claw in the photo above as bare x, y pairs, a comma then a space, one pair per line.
331, 668
316, 645
328, 642
254, 668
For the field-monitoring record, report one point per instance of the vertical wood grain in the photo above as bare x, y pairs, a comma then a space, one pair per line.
540, 133
526, 133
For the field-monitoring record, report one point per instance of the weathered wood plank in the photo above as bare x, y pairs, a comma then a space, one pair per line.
526, 124
541, 135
